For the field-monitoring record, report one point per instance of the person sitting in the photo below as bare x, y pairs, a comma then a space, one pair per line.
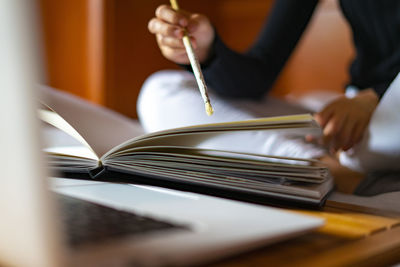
240, 82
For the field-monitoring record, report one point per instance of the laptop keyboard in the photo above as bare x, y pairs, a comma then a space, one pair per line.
87, 222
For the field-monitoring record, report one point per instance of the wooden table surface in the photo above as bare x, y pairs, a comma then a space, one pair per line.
348, 238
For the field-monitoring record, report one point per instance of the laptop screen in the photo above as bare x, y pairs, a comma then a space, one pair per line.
26, 227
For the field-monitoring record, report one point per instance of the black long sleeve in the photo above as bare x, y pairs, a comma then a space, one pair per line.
376, 34
252, 74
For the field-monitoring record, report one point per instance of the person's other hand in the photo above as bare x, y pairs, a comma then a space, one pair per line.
168, 25
345, 119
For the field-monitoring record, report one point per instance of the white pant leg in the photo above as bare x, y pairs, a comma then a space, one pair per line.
379, 149
170, 99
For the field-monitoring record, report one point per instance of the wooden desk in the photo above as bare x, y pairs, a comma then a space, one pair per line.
347, 239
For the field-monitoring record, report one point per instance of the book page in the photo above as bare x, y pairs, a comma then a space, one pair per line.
100, 127
240, 136
171, 155
57, 121
60, 144
254, 172
104, 130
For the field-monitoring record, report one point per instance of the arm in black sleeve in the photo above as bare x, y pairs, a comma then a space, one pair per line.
251, 74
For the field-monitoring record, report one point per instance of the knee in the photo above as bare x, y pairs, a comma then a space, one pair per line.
152, 88
160, 94
156, 88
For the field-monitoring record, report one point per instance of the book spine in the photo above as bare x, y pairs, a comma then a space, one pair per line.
96, 172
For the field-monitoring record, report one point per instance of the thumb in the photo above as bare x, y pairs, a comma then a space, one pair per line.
318, 117
323, 116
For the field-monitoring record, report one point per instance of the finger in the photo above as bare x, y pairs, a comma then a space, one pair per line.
167, 14
173, 42
333, 126
310, 138
324, 116
170, 42
359, 131
313, 139
195, 21
177, 55
157, 26
343, 140
350, 140
193, 41
192, 27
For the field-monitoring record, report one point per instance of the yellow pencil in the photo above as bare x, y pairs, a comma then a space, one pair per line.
195, 66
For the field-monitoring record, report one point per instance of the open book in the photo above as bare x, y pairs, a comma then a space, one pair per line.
191, 158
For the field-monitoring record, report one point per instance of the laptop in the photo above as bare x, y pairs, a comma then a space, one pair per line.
60, 222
